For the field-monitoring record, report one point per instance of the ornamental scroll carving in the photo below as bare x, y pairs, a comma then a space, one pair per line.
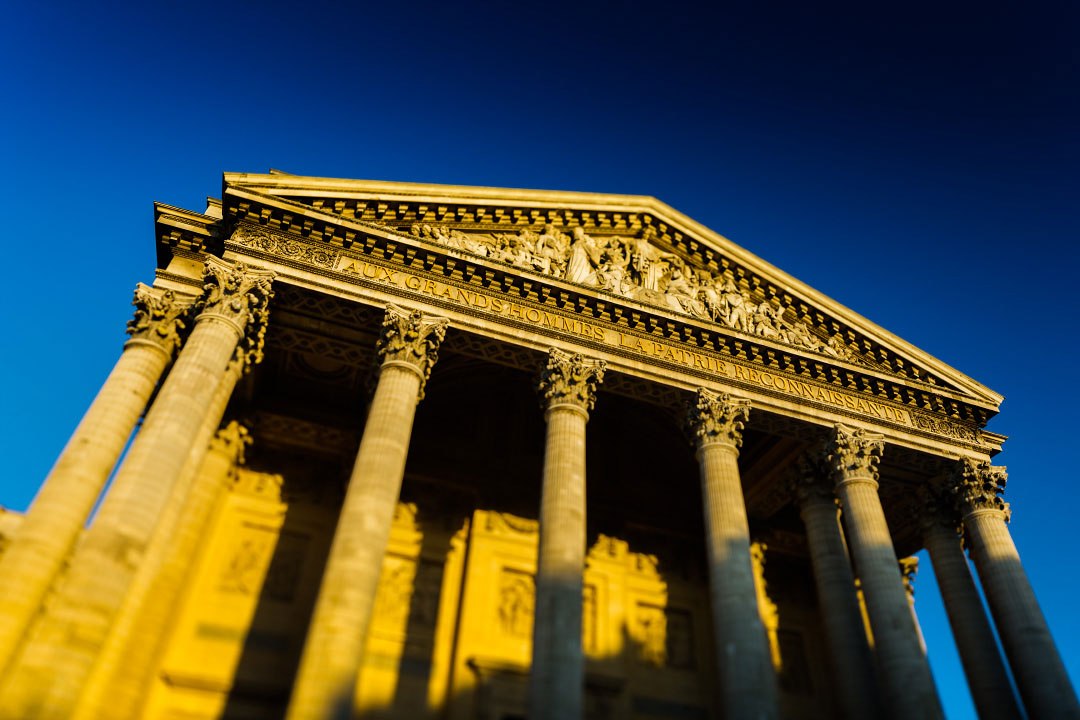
411, 337
717, 418
570, 379
267, 242
159, 318
240, 295
637, 269
853, 453
909, 568
979, 486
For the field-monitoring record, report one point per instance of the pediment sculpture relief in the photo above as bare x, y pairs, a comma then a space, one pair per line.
637, 269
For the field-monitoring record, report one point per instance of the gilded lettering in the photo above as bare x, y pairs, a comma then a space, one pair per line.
517, 311
764, 381
819, 394
464, 296
550, 320
430, 287
374, 270
496, 305
740, 373
448, 293
532, 315
699, 361
755, 376
478, 297
351, 268
849, 402
598, 333
409, 282
721, 367
640, 346
388, 275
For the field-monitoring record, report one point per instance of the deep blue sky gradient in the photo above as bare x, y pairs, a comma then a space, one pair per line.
917, 163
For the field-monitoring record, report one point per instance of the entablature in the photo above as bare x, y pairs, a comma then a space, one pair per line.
358, 257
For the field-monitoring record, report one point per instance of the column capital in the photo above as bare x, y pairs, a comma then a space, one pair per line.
937, 506
238, 295
853, 454
909, 568
811, 479
978, 486
231, 441
716, 417
410, 339
570, 379
159, 318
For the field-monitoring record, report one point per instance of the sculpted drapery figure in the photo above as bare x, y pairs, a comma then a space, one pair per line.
638, 269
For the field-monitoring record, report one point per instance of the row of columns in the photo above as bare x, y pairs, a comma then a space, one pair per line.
89, 655
59, 602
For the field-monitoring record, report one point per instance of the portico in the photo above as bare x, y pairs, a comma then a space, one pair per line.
562, 454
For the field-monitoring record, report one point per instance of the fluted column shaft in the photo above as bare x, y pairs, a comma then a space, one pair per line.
849, 651
333, 652
122, 671
557, 675
52, 524
1037, 667
903, 671
1040, 675
52, 669
979, 654
747, 679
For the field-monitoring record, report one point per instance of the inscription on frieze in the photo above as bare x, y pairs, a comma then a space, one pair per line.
725, 308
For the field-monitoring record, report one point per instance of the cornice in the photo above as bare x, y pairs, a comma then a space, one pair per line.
597, 211
337, 231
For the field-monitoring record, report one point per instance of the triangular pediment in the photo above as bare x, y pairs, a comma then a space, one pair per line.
624, 250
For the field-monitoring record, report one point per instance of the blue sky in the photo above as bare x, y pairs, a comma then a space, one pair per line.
917, 163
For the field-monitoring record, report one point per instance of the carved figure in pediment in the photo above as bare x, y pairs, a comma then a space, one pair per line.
801, 335
733, 306
766, 320
837, 348
613, 273
682, 290
584, 258
548, 253
649, 263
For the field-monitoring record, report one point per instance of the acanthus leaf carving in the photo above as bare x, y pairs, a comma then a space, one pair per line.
160, 318
411, 337
570, 379
979, 486
238, 294
853, 453
717, 417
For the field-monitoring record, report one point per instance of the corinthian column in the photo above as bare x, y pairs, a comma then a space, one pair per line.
122, 672
333, 652
745, 671
557, 677
903, 672
1037, 668
979, 654
52, 669
50, 527
852, 662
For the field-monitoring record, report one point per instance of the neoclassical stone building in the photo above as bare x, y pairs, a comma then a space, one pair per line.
364, 415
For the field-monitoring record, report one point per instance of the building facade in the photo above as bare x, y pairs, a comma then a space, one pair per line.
364, 416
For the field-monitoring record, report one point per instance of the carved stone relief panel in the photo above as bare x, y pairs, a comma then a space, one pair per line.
516, 603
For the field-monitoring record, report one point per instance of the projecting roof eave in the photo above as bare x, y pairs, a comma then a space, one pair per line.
295, 186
